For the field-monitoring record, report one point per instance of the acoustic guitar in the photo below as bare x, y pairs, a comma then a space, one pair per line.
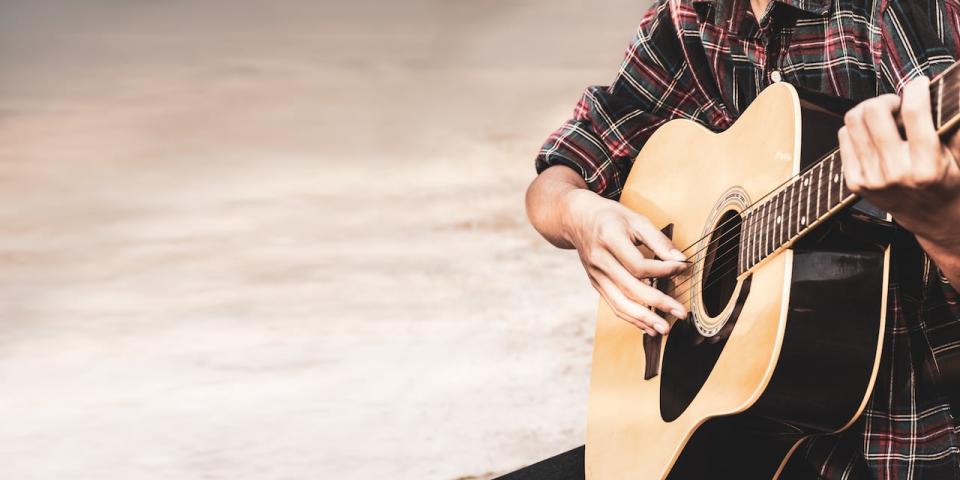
787, 294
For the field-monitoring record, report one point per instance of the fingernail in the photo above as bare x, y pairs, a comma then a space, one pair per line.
661, 327
679, 313
677, 255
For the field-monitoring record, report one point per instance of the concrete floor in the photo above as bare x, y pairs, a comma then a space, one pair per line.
286, 240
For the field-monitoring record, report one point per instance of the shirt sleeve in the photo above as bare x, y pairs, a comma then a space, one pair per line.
915, 38
611, 123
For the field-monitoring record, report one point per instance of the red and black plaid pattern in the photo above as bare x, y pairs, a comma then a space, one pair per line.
706, 60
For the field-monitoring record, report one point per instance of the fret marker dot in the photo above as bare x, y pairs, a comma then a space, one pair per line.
778, 220
806, 181
836, 178
803, 220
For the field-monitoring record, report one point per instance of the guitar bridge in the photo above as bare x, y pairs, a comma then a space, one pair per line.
652, 343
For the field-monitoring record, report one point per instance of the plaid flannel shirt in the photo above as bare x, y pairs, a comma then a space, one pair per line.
706, 60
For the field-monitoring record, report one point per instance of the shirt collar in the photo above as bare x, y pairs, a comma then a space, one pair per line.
732, 12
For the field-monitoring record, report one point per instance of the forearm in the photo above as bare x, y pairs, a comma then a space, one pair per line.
937, 228
547, 202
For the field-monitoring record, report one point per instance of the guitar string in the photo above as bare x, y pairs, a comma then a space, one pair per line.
950, 90
695, 277
755, 205
719, 260
733, 235
760, 202
751, 221
928, 308
723, 258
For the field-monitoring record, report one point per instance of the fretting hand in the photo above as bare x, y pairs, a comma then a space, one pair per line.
916, 179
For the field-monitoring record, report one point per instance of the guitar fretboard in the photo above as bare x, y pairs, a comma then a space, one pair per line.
808, 199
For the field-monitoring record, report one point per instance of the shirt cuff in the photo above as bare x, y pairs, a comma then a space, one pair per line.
576, 147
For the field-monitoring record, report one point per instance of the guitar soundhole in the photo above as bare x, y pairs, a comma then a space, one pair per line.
690, 354
720, 264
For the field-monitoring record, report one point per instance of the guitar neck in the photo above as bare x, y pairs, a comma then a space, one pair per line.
783, 217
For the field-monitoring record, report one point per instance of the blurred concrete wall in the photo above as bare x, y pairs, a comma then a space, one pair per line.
286, 239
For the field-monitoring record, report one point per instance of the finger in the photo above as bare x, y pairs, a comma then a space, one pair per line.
639, 266
924, 151
915, 110
893, 161
628, 309
953, 164
642, 293
953, 154
597, 282
864, 150
654, 239
852, 172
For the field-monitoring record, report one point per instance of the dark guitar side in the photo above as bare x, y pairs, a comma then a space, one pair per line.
829, 350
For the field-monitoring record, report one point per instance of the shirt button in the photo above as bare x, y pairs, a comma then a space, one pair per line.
775, 76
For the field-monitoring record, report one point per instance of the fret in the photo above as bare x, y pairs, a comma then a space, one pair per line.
760, 214
778, 218
781, 197
772, 230
764, 237
784, 216
938, 105
795, 207
801, 216
758, 251
806, 200
794, 210
793, 219
838, 184
772, 226
759, 242
949, 110
745, 241
753, 237
954, 105
786, 209
801, 207
829, 181
819, 184
768, 230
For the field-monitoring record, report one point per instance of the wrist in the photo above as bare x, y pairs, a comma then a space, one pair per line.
940, 248
946, 258
572, 205
941, 230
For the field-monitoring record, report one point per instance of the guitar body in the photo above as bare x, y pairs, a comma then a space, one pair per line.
800, 334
